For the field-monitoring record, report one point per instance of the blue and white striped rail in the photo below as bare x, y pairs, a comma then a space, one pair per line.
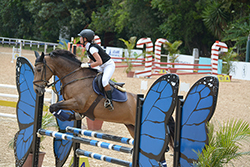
76, 139
103, 158
78, 131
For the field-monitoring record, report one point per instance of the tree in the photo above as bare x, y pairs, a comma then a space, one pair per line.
15, 19
182, 20
216, 17
49, 17
43, 20
229, 20
238, 33
127, 18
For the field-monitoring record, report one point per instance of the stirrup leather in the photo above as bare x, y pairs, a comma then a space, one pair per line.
108, 104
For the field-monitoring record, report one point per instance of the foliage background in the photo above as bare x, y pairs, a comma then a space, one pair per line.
198, 23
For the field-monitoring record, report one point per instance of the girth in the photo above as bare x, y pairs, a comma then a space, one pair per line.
90, 112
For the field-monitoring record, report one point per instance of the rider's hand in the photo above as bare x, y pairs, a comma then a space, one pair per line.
85, 65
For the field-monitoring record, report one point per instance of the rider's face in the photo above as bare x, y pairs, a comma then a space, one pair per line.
81, 40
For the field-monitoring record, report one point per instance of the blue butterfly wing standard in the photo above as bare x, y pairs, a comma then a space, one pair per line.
158, 107
25, 110
198, 108
62, 148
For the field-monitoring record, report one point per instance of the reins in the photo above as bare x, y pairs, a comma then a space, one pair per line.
92, 76
53, 83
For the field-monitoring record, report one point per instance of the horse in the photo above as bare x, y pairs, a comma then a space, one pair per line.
77, 89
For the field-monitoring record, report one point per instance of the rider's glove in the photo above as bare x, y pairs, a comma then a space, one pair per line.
85, 65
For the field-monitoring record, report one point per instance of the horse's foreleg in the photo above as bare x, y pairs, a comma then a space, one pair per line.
71, 104
131, 129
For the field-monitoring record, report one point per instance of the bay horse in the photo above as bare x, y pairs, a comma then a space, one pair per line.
77, 89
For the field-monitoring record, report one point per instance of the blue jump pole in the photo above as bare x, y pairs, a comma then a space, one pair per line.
89, 133
103, 158
85, 141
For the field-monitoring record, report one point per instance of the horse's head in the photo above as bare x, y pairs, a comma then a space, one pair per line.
42, 74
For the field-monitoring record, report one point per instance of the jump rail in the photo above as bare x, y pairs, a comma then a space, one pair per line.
103, 158
85, 141
89, 133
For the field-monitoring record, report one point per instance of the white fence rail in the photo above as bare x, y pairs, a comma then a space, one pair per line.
7, 115
23, 42
50, 100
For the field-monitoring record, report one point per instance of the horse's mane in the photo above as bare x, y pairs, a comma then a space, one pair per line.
66, 54
69, 55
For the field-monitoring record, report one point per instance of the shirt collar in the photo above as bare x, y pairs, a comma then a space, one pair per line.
87, 46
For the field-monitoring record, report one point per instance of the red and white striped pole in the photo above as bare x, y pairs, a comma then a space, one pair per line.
97, 40
158, 44
147, 72
215, 55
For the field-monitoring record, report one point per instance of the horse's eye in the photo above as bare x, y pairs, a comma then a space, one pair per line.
39, 70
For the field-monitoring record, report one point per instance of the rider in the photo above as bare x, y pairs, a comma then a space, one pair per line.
98, 58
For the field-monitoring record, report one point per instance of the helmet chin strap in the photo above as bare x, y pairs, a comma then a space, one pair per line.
84, 43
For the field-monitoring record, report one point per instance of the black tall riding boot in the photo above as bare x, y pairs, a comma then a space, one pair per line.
108, 102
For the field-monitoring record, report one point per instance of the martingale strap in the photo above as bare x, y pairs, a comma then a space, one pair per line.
90, 112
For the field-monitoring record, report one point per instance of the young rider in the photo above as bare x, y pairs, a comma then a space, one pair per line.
98, 58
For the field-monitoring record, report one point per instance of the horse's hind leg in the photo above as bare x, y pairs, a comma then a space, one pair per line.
131, 129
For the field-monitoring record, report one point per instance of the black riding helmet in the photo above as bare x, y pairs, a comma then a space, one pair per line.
87, 33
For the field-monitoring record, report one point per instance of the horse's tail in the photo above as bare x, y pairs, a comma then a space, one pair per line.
171, 125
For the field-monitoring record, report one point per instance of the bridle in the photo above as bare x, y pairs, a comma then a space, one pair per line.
43, 78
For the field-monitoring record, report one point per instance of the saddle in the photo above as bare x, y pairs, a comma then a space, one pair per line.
119, 93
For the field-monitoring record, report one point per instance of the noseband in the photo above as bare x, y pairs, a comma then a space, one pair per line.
43, 77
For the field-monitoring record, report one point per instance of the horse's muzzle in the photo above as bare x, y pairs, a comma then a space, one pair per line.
39, 91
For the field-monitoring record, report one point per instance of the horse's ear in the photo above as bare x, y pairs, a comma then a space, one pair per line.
36, 54
40, 58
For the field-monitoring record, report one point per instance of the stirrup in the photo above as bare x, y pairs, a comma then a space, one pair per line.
108, 104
